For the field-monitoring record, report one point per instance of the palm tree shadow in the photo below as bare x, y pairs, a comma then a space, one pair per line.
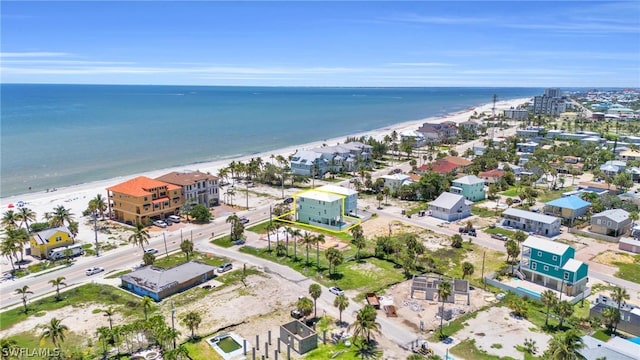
336, 276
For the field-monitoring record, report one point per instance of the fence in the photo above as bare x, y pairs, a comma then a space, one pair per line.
523, 293
594, 235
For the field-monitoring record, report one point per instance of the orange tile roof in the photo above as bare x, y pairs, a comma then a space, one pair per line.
185, 177
140, 186
458, 160
492, 173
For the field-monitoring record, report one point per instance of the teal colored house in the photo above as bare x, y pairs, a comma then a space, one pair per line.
320, 209
471, 187
552, 265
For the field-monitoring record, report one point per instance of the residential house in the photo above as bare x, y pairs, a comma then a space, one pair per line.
158, 283
531, 222
417, 138
141, 200
613, 167
552, 265
196, 185
527, 147
567, 207
318, 161
629, 314
395, 181
629, 244
326, 206
630, 155
450, 207
446, 132
613, 222
599, 187
470, 186
492, 176
350, 197
469, 126
516, 114
43, 241
634, 172
616, 348
530, 132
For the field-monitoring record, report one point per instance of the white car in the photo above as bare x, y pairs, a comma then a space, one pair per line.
225, 267
151, 251
174, 218
336, 290
160, 224
94, 270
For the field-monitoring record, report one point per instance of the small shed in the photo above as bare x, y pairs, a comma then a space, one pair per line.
299, 336
629, 244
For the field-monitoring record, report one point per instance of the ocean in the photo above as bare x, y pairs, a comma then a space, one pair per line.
60, 135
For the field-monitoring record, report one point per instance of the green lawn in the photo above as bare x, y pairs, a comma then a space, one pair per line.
512, 191
180, 258
545, 195
224, 242
601, 335
329, 351
467, 349
201, 350
484, 212
628, 271
499, 230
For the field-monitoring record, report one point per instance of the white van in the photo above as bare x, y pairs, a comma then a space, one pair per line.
173, 218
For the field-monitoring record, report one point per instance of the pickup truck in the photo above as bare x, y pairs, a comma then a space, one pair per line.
372, 300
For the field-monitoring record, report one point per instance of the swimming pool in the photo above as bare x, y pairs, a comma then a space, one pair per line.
529, 292
635, 340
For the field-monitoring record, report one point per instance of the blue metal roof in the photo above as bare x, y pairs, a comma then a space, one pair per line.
569, 202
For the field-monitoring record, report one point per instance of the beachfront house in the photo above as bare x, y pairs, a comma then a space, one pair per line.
552, 264
613, 222
338, 158
197, 186
395, 181
629, 314
142, 200
450, 207
531, 222
158, 283
567, 207
43, 241
470, 186
416, 138
446, 132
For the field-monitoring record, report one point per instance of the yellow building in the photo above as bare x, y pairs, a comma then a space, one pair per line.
45, 240
142, 200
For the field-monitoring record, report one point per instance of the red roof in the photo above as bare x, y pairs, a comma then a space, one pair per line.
495, 173
458, 160
443, 166
141, 186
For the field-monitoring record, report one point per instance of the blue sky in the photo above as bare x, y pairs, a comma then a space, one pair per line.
380, 43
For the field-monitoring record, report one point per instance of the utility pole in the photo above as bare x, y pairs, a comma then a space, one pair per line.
95, 231
173, 325
484, 282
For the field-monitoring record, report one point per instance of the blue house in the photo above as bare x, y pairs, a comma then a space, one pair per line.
158, 283
552, 265
568, 207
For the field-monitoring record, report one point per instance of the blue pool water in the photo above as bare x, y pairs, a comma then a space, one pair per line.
635, 340
529, 292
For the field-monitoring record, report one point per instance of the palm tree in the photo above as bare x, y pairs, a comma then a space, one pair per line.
23, 292
358, 239
307, 240
564, 309
334, 256
10, 219
611, 316
232, 219
187, 248
564, 346
146, 304
295, 234
548, 299
315, 291
98, 204
192, 320
55, 331
140, 236
6, 347
61, 215
318, 239
467, 269
619, 294
271, 227
444, 291
304, 306
56, 283
178, 353
26, 215
109, 312
148, 259
341, 302
365, 323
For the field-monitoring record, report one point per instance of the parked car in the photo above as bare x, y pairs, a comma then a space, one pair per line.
288, 200
94, 270
336, 290
151, 251
296, 314
500, 237
466, 230
160, 223
225, 267
516, 201
243, 219
174, 218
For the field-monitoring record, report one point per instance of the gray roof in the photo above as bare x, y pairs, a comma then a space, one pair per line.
157, 279
320, 196
468, 180
447, 200
596, 349
43, 236
531, 215
305, 156
337, 189
552, 247
617, 215
629, 241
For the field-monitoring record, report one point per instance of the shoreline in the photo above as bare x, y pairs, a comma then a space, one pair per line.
69, 195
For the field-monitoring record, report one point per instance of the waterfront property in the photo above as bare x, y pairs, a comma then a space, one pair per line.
446, 131
43, 241
613, 222
531, 222
196, 186
567, 207
629, 314
318, 161
516, 114
552, 265
450, 207
299, 336
158, 283
142, 200
416, 138
470, 186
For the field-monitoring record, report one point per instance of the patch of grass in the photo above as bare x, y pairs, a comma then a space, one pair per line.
455, 325
179, 258
628, 271
467, 349
484, 212
545, 195
118, 274
499, 230
259, 228
328, 351
601, 335
201, 350
224, 241
88, 293
496, 346
512, 191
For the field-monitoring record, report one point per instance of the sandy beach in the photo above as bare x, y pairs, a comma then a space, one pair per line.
76, 197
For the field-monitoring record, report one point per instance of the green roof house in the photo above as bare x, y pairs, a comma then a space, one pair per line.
552, 265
